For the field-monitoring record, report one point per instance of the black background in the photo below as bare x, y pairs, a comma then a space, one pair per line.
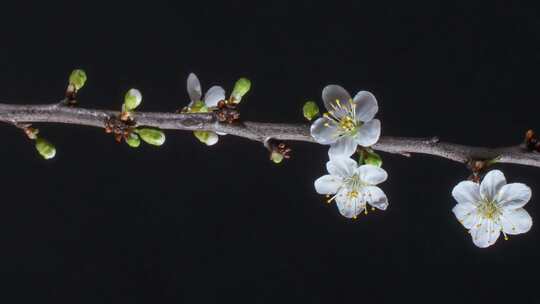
103, 223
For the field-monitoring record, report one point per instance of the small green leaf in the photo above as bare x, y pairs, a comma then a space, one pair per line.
276, 157
133, 140
45, 148
151, 136
132, 100
208, 138
241, 87
311, 110
372, 158
77, 79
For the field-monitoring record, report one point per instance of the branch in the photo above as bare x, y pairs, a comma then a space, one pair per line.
258, 131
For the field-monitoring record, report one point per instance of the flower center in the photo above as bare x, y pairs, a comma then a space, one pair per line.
347, 124
489, 210
345, 116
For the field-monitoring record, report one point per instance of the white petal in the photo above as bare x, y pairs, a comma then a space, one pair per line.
336, 99
485, 233
328, 184
365, 106
212, 139
513, 196
221, 133
516, 221
371, 175
345, 146
194, 88
341, 167
467, 192
369, 133
492, 183
347, 206
375, 197
214, 95
466, 214
324, 131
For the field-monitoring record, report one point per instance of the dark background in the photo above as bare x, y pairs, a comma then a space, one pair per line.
103, 223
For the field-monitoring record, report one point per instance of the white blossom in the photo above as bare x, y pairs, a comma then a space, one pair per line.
493, 206
352, 186
348, 123
211, 99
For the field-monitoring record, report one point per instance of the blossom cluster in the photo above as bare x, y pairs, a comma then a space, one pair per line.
486, 209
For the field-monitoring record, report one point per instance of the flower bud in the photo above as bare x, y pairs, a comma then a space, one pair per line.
132, 100
276, 157
151, 136
241, 87
208, 138
77, 79
311, 110
45, 148
133, 140
372, 158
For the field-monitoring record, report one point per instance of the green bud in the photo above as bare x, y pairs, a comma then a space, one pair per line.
276, 157
199, 107
151, 136
241, 87
45, 148
311, 110
133, 140
208, 138
372, 158
132, 100
77, 79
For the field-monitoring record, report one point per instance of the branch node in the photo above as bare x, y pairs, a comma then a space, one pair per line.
227, 112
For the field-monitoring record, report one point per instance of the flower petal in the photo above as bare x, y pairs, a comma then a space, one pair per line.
375, 197
485, 233
369, 133
371, 174
347, 206
194, 88
516, 221
365, 106
328, 184
467, 192
345, 146
324, 131
342, 167
336, 100
466, 214
492, 183
513, 196
214, 95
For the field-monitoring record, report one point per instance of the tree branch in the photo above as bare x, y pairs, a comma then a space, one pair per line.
257, 131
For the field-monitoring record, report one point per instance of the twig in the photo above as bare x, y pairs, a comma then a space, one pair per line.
258, 131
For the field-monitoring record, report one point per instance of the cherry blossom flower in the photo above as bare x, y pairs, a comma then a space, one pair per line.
352, 186
348, 123
493, 206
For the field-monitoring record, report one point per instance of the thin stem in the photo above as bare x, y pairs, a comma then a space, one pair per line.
258, 131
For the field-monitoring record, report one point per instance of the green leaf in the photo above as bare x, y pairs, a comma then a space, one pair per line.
133, 140
151, 136
276, 157
311, 110
372, 158
241, 87
45, 148
77, 79
132, 100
